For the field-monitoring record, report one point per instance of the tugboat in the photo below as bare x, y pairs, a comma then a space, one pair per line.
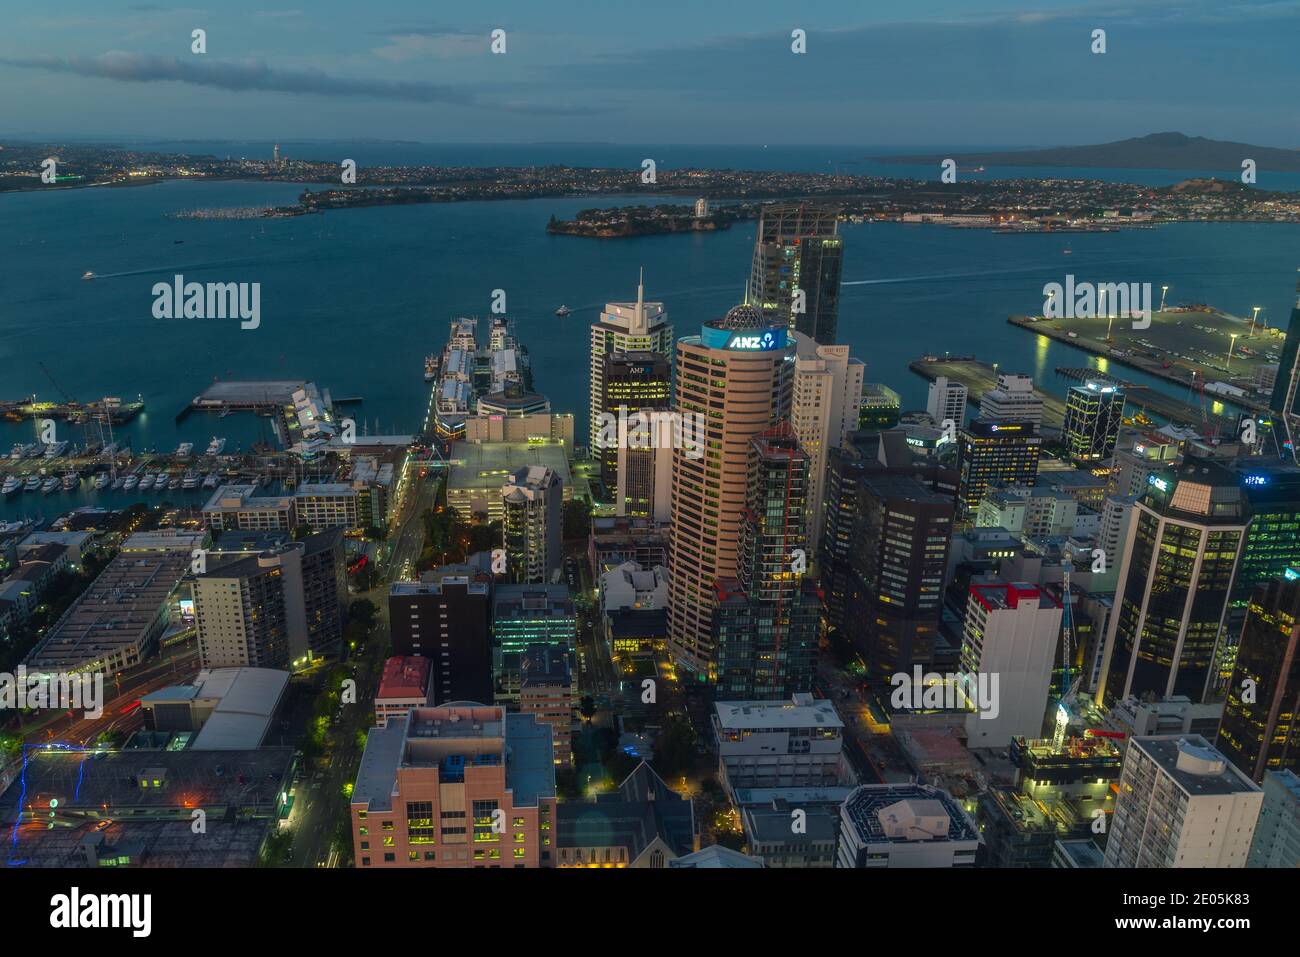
430, 367
563, 311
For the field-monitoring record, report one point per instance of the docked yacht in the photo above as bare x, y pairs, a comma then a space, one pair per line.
70, 481
32, 484
146, 482
101, 480
51, 484
174, 483
54, 449
191, 480
131, 482
11, 485
214, 477
184, 449
215, 446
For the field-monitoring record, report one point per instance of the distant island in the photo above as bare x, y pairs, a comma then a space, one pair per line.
624, 221
1156, 151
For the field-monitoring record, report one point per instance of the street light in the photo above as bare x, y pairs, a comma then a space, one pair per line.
1254, 316
1163, 290
1232, 342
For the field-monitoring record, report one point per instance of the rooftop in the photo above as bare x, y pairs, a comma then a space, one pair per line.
803, 711
1195, 765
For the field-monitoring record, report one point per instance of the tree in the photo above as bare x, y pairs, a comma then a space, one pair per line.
587, 707
675, 748
577, 518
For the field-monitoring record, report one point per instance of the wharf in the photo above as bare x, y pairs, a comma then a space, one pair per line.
979, 377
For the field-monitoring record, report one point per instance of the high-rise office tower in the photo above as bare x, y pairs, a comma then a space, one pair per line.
524, 615
445, 618
1171, 600
1181, 804
1277, 835
994, 453
947, 400
638, 326
531, 528
844, 468
1093, 415
282, 608
736, 376
636, 386
1013, 399
1286, 387
765, 619
899, 553
1012, 630
1259, 731
795, 277
1272, 544
827, 396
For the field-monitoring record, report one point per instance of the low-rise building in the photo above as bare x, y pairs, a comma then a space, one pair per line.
779, 744
905, 825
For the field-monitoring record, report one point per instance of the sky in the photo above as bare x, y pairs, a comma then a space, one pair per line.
914, 73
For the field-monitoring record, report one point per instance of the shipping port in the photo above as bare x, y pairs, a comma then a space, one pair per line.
1141, 403
1227, 357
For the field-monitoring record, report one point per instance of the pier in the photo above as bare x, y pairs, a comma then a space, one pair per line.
1188, 346
108, 409
979, 377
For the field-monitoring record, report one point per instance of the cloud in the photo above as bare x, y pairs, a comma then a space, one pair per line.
255, 75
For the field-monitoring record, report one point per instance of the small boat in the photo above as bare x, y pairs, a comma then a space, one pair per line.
87, 275
563, 311
131, 482
32, 484
215, 446
101, 480
191, 480
211, 481
175, 483
70, 481
49, 485
11, 485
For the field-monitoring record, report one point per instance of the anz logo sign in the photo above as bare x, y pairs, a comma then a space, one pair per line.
767, 340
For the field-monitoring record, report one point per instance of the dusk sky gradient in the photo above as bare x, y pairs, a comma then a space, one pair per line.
925, 72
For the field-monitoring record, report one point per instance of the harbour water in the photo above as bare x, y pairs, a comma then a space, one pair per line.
354, 299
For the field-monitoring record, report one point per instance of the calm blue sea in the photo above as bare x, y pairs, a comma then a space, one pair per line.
354, 299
